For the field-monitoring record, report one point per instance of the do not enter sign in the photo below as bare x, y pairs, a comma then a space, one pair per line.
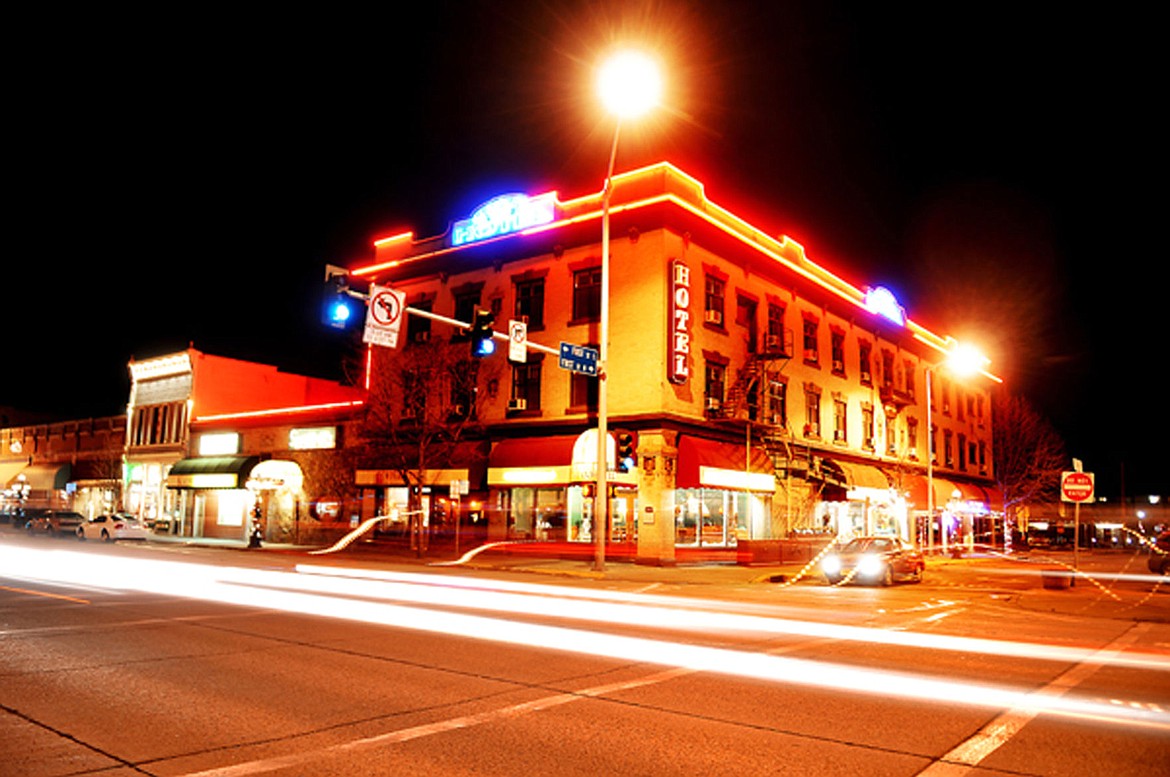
1076, 486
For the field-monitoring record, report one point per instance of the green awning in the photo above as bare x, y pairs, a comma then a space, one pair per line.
211, 472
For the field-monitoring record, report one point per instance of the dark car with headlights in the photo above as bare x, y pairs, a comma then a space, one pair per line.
1159, 561
880, 560
54, 522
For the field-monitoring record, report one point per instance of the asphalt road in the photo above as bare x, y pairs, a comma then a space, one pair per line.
132, 659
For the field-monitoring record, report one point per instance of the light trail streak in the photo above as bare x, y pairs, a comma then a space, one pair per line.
675, 613
234, 586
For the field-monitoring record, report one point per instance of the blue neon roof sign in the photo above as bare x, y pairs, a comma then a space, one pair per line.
503, 215
881, 302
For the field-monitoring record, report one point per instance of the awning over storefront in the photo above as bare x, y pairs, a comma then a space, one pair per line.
532, 461
211, 472
392, 477
551, 461
44, 477
944, 492
9, 470
713, 464
864, 476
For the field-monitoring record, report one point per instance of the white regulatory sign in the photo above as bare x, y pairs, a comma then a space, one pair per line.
384, 318
517, 341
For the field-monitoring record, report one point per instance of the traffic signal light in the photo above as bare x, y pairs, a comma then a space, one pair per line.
482, 343
339, 309
627, 450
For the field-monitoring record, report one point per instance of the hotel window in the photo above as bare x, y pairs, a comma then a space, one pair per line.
962, 452
912, 438
526, 386
812, 411
945, 390
959, 404
809, 341
867, 427
466, 303
716, 374
587, 294
775, 335
865, 362
418, 329
530, 302
714, 302
583, 391
948, 456
908, 376
934, 444
887, 370
837, 347
840, 423
777, 408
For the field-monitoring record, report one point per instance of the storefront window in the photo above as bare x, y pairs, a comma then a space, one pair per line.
718, 517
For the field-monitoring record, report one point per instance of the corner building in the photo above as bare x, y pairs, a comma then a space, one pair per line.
769, 399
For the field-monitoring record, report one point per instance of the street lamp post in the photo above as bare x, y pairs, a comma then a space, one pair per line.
629, 85
964, 361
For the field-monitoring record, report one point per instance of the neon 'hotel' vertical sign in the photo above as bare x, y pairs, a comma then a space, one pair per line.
679, 325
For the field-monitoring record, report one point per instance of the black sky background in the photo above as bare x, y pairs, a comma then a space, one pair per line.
183, 177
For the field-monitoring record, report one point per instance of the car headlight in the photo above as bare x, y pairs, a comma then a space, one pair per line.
869, 565
831, 565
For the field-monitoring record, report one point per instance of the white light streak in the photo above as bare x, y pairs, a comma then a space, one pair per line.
319, 595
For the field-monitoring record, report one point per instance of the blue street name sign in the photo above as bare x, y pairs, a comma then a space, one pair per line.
579, 358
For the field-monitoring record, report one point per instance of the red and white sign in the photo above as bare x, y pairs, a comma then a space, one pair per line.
678, 330
384, 318
1076, 486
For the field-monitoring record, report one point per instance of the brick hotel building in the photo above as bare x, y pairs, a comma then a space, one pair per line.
768, 396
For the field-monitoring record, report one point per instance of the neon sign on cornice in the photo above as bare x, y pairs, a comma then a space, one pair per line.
503, 215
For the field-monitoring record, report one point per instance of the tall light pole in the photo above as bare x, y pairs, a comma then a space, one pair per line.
963, 361
629, 85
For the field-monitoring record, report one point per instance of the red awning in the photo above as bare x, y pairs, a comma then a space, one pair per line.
533, 452
944, 490
695, 454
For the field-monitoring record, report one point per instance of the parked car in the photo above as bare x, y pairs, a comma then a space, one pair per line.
1159, 561
54, 522
115, 526
874, 560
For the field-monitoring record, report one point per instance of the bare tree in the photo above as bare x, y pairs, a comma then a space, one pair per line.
1029, 454
423, 414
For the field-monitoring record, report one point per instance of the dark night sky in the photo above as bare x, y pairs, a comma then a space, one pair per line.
182, 178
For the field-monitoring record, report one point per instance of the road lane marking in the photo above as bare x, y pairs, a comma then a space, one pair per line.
967, 755
46, 594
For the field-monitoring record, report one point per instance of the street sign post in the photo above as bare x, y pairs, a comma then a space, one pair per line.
1076, 487
579, 358
518, 341
384, 317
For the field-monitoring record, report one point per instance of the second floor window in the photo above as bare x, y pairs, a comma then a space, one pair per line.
587, 294
526, 384
812, 412
715, 376
840, 423
865, 363
465, 307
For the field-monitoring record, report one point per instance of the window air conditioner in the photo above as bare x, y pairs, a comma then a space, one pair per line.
773, 344
422, 336
517, 404
713, 403
714, 317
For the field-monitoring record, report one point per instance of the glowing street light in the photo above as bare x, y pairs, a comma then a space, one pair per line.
629, 85
962, 361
